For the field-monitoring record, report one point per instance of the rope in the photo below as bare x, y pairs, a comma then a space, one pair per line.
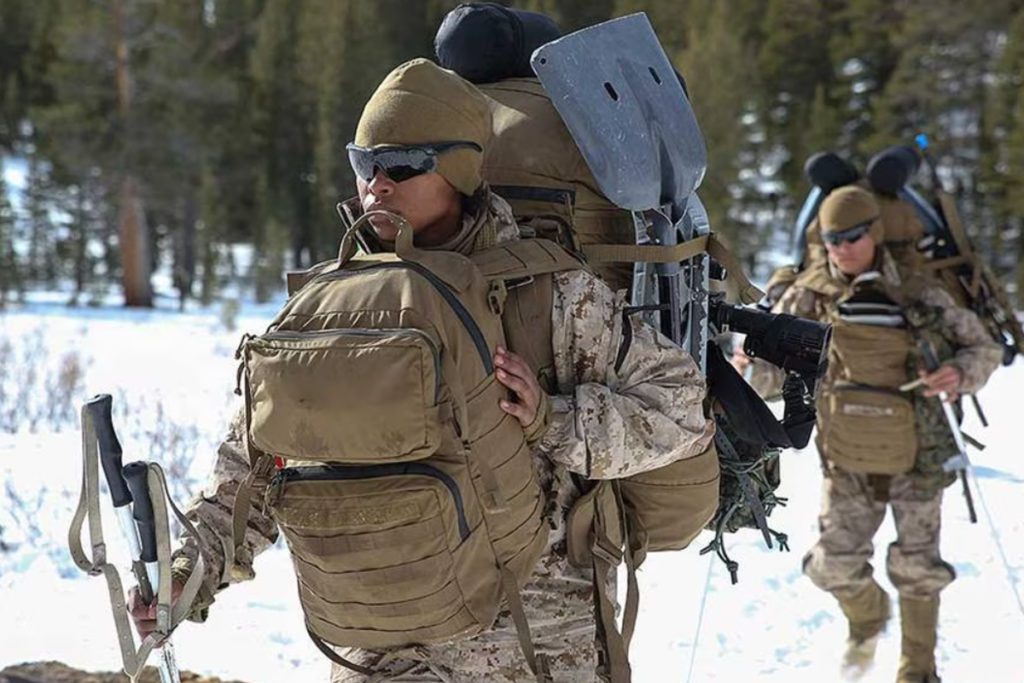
700, 618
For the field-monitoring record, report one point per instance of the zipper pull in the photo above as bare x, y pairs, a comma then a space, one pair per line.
239, 352
241, 345
238, 378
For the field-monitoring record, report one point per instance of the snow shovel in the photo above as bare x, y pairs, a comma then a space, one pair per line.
625, 107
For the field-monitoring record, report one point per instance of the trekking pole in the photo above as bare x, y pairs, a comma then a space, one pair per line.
961, 462
136, 520
136, 474
99, 407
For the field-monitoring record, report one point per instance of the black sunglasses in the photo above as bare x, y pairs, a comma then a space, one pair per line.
400, 162
850, 235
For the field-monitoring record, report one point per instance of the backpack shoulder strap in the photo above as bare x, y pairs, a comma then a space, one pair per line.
521, 292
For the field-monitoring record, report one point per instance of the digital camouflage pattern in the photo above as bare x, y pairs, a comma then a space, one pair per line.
851, 513
604, 424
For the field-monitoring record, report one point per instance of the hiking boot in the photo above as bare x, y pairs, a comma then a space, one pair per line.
919, 621
867, 612
859, 657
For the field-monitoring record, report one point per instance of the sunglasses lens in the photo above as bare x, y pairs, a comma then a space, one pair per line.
401, 173
848, 236
362, 162
398, 164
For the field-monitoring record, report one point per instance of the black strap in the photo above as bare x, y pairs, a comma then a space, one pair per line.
336, 658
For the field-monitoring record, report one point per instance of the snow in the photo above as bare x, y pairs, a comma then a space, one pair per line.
694, 626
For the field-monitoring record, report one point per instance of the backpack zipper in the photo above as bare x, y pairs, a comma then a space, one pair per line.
342, 473
465, 317
435, 352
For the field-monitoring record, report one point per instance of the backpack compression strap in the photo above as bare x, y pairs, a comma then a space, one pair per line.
650, 253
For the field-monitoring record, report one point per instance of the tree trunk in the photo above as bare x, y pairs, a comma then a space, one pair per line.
185, 250
135, 263
81, 247
134, 247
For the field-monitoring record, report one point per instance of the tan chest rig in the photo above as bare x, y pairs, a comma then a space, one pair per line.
865, 423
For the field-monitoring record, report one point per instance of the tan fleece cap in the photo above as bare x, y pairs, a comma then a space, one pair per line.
419, 103
848, 207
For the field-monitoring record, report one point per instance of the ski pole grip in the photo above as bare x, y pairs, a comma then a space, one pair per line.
99, 408
136, 474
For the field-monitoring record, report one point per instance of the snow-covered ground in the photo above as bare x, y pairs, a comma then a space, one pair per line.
694, 626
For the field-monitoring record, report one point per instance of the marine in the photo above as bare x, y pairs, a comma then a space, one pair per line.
882, 441
618, 401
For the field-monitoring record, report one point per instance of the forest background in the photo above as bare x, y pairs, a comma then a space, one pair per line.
141, 137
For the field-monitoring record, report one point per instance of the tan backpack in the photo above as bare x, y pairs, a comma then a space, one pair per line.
622, 519
407, 497
533, 163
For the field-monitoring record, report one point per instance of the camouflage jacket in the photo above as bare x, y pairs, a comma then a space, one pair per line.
605, 423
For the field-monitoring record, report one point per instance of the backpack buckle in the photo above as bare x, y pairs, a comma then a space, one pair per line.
497, 293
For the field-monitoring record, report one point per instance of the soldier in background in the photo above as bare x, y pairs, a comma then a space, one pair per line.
882, 442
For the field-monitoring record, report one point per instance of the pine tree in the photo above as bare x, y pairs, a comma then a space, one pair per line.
10, 273
322, 56
794, 62
1002, 156
714, 67
209, 234
864, 56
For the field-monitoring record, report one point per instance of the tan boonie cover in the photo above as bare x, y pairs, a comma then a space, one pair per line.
408, 498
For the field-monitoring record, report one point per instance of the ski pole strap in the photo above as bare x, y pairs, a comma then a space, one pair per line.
89, 507
168, 615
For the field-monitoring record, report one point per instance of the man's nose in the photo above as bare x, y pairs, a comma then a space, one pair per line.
381, 185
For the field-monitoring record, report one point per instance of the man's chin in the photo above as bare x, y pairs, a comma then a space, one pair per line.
383, 225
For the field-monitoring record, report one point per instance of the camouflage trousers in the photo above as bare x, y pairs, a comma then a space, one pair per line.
853, 507
559, 607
